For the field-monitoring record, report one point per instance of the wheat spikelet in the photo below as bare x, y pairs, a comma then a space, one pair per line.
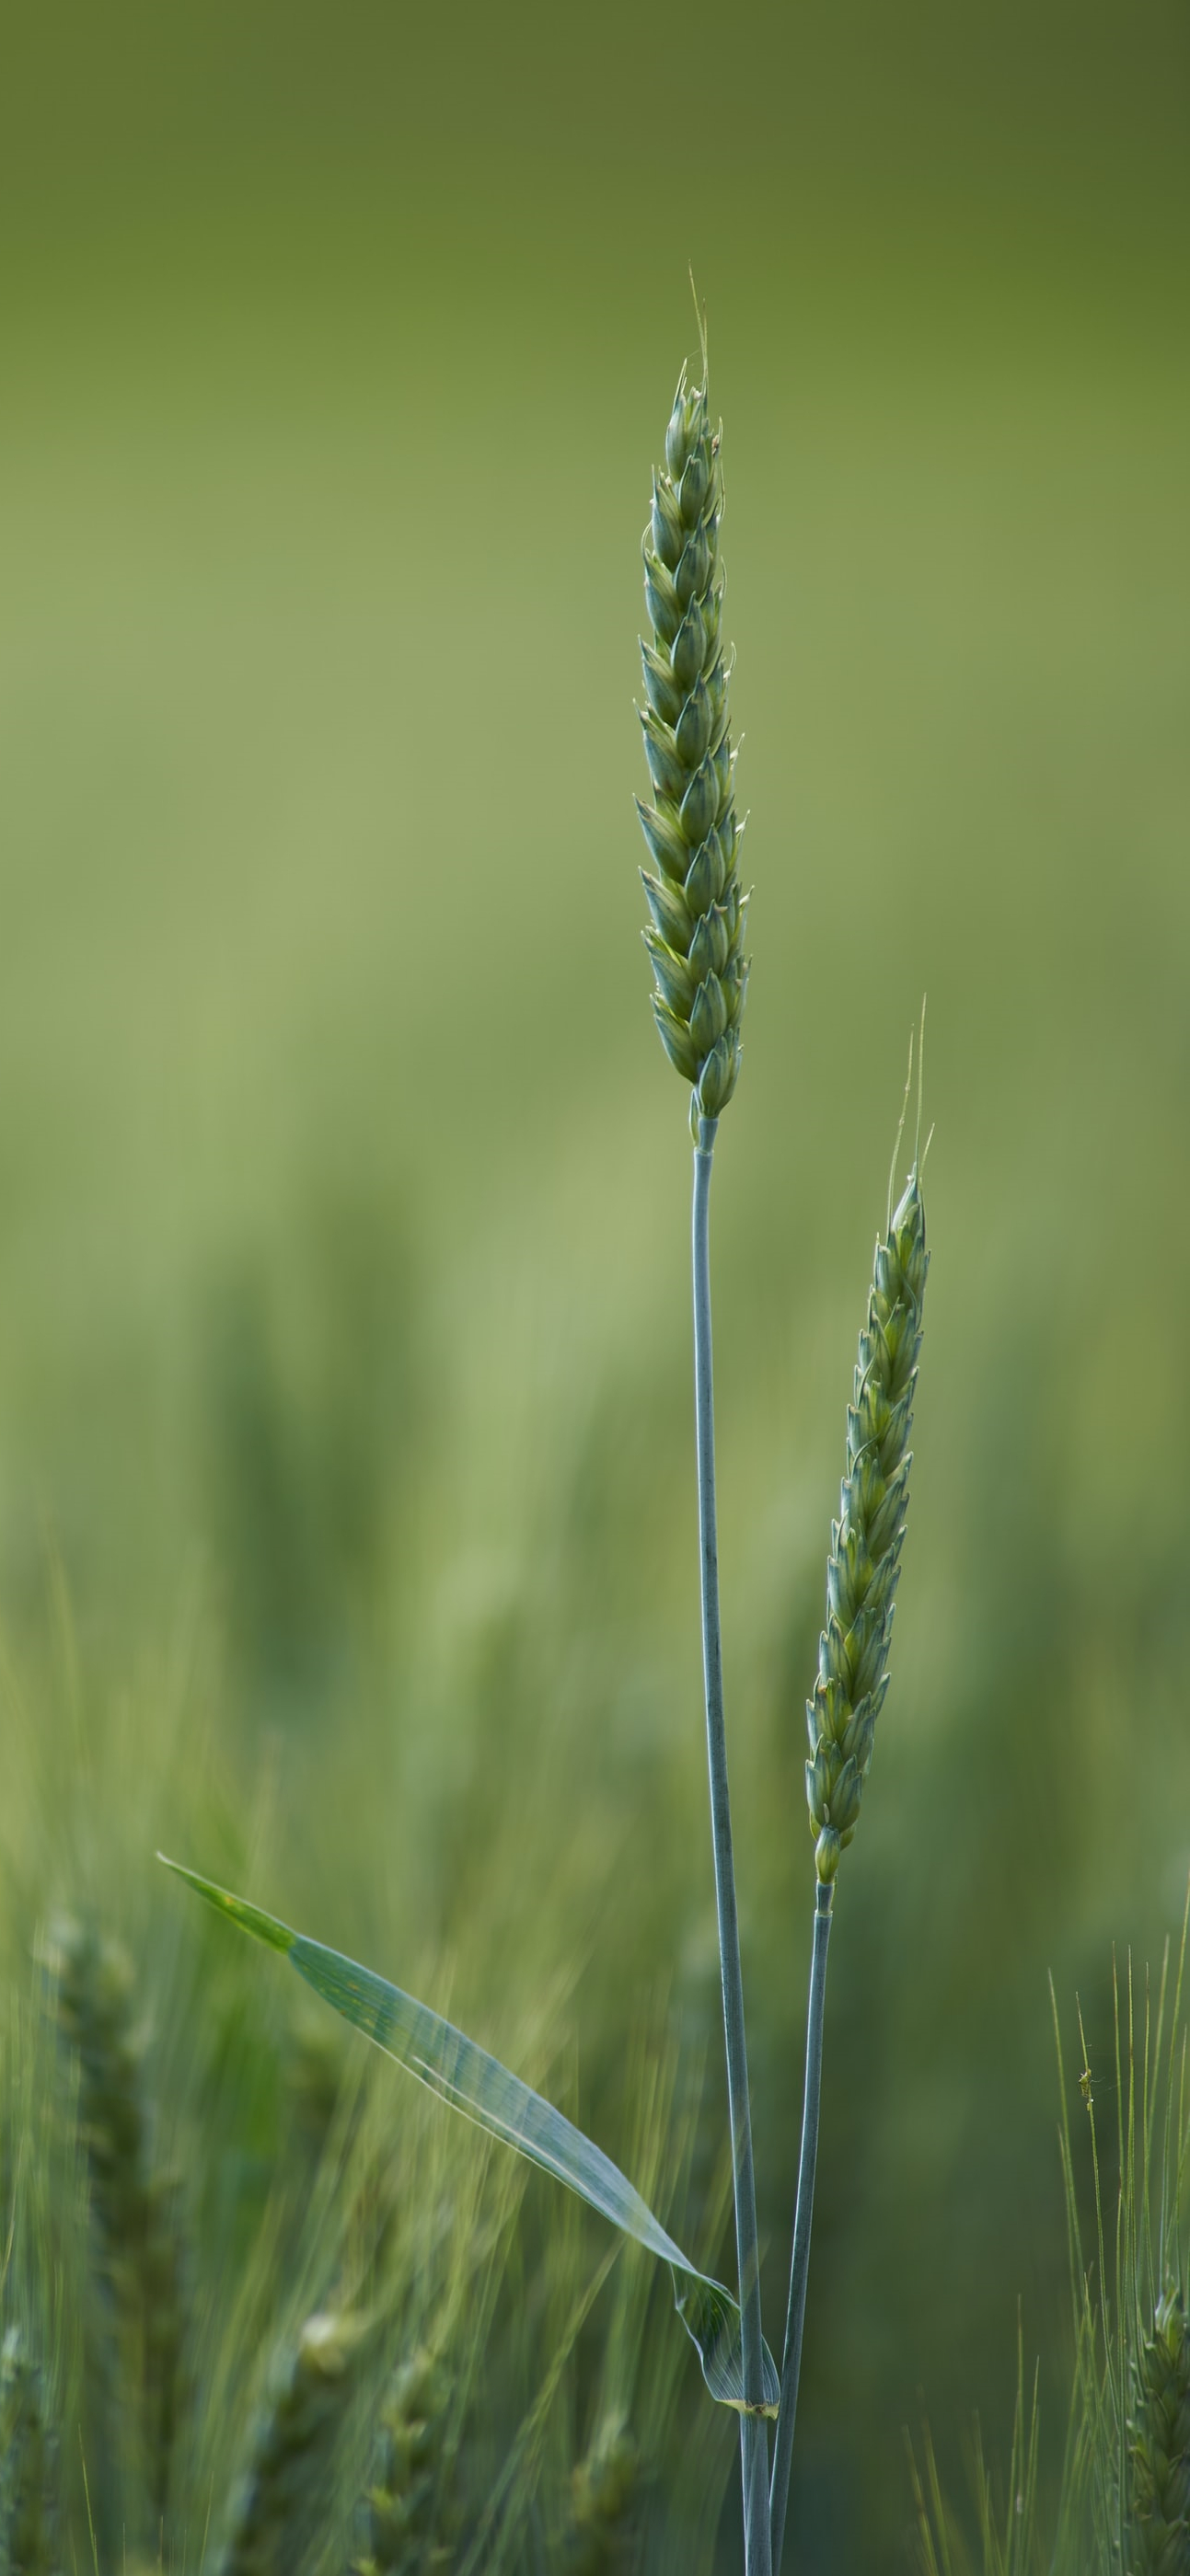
136, 2208
404, 2534
291, 2445
696, 935
864, 1562
26, 2465
605, 2505
1159, 2447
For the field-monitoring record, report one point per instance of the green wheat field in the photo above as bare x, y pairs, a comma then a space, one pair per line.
347, 1517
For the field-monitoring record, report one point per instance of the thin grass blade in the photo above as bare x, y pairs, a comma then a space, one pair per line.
486, 2092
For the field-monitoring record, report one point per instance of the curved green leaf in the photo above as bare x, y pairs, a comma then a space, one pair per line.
484, 2091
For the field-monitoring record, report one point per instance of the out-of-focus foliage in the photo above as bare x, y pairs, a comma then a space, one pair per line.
346, 1508
383, 2349
1123, 2497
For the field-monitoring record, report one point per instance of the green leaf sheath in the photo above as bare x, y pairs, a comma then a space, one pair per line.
864, 1563
1159, 2447
476, 2084
696, 934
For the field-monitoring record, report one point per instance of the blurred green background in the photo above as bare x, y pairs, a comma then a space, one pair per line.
344, 1350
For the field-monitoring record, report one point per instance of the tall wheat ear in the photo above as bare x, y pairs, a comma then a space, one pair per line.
696, 934
696, 942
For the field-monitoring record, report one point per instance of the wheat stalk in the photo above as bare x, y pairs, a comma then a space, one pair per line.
696, 942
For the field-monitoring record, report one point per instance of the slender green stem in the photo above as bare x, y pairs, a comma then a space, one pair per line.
803, 2220
753, 2439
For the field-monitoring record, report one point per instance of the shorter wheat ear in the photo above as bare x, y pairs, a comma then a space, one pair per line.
864, 1565
861, 1582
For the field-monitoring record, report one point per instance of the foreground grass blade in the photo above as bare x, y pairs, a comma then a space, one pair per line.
451, 2065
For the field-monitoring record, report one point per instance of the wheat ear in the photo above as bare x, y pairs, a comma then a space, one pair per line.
405, 2497
696, 933
290, 2447
1159, 2446
861, 1581
696, 944
864, 1565
26, 2465
605, 2501
135, 2206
